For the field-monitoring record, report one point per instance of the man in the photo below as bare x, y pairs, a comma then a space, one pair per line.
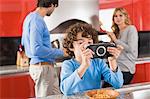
36, 41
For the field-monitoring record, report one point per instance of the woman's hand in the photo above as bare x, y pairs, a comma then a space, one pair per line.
115, 52
112, 36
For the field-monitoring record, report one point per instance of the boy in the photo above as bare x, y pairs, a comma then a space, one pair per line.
82, 73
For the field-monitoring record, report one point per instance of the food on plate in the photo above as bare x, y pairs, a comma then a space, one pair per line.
102, 94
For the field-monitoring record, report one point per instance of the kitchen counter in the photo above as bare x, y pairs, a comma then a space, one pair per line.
143, 60
13, 69
125, 92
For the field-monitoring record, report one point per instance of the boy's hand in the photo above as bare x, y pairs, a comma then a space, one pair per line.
86, 54
115, 52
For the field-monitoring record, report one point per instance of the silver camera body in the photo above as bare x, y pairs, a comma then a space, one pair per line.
100, 49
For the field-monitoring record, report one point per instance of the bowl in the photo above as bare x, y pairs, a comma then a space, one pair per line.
102, 94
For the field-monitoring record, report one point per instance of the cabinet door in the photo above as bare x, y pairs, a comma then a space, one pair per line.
147, 69
16, 86
145, 16
139, 12
12, 14
140, 74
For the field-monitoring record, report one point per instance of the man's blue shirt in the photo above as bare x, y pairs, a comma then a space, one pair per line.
36, 40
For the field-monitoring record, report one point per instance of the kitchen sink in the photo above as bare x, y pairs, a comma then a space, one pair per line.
140, 94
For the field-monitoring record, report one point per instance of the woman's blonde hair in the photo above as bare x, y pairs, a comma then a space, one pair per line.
115, 27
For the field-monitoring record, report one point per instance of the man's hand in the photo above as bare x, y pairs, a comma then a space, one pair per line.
65, 52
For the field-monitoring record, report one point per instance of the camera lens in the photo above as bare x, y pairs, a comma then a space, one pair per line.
100, 51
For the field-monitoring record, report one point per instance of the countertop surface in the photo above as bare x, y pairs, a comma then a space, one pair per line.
13, 69
143, 60
125, 92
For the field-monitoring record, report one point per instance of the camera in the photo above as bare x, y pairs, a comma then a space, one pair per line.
100, 49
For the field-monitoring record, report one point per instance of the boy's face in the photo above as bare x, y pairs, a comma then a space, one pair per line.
81, 43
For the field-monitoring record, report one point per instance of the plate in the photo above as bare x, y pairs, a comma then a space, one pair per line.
102, 94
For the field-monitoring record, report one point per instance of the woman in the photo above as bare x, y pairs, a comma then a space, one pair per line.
126, 35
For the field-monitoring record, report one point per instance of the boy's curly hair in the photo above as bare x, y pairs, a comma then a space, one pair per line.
86, 30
